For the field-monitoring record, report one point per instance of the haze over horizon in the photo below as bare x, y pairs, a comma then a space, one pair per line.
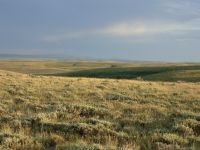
154, 30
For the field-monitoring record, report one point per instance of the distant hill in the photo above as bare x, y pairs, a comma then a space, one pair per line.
18, 56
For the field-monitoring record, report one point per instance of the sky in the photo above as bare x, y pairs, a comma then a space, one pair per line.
150, 30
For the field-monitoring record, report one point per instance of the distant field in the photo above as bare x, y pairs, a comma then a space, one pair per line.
48, 113
114, 70
50, 67
165, 73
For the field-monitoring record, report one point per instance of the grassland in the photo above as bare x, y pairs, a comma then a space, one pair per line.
54, 66
100, 69
151, 73
45, 112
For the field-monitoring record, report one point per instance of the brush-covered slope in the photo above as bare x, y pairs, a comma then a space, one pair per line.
76, 113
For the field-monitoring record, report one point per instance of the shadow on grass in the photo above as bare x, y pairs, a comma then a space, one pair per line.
146, 73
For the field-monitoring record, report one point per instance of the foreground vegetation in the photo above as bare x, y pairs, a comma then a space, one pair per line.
38, 112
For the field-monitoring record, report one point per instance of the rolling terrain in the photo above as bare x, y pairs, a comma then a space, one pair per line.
155, 73
99, 69
46, 112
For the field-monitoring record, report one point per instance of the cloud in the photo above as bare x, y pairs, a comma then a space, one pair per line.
184, 8
132, 29
126, 29
139, 28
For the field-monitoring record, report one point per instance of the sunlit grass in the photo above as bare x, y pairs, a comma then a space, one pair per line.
38, 112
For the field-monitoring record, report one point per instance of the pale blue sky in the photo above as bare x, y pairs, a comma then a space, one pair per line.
157, 30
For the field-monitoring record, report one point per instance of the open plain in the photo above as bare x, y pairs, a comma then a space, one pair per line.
51, 112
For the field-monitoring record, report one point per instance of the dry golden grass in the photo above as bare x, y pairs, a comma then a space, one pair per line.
55, 66
38, 112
